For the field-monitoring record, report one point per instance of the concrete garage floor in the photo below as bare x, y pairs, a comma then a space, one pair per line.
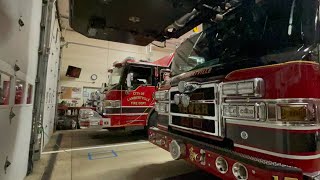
96, 154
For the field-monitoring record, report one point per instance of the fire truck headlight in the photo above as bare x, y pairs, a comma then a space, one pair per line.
246, 87
185, 100
162, 107
229, 89
251, 87
161, 95
177, 99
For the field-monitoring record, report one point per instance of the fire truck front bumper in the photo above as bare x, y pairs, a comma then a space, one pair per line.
95, 123
223, 162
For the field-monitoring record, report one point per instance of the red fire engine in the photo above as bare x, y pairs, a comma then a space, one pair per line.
129, 94
243, 101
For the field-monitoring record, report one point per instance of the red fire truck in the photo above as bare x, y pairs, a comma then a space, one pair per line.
243, 101
129, 94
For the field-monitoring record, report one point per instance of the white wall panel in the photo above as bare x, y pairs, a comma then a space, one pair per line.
5, 131
15, 41
19, 145
19, 45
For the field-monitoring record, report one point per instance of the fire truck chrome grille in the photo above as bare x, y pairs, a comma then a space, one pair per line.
194, 123
196, 110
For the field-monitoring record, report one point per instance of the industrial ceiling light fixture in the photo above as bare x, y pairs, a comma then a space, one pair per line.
134, 19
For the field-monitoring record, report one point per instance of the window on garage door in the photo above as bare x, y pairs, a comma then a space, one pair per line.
20, 87
5, 81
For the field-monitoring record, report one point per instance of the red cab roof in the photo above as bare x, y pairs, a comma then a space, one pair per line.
165, 61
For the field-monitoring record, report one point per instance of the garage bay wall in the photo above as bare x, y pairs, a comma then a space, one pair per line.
96, 57
19, 45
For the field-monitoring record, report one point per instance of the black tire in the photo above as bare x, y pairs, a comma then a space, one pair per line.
153, 119
78, 125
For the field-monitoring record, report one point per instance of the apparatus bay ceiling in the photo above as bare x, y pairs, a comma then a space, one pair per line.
137, 22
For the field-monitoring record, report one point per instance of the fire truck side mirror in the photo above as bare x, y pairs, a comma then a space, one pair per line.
129, 80
103, 87
164, 74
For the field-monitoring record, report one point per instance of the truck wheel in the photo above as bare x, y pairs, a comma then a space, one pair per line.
152, 121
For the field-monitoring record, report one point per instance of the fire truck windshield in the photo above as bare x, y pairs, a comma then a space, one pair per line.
115, 76
267, 32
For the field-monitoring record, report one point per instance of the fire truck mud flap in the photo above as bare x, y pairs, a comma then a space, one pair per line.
222, 162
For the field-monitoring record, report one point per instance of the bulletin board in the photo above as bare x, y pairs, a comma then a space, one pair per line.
70, 93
